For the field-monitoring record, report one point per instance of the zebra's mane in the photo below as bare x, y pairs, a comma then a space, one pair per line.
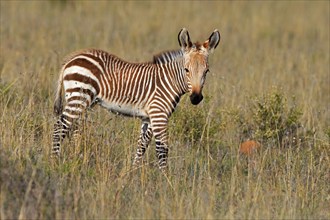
167, 56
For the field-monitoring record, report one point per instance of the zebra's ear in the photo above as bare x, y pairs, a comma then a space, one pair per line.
213, 41
184, 39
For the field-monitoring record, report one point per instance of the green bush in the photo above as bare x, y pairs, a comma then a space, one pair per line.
195, 123
274, 118
271, 119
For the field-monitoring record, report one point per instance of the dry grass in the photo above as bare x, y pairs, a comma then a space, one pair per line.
264, 45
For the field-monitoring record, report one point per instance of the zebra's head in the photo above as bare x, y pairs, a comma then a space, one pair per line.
196, 63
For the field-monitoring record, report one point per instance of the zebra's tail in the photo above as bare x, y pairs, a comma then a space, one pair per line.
58, 104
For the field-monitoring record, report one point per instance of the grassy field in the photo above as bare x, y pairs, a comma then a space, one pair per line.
269, 81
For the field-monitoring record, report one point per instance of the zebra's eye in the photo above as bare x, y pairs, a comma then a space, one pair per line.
187, 71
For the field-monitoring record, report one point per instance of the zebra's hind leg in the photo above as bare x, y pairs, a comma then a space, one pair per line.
143, 142
61, 130
65, 123
75, 135
78, 128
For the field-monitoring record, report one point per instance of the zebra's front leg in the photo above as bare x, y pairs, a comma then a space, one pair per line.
143, 142
159, 126
162, 153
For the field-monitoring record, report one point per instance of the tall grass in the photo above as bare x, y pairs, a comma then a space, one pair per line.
265, 47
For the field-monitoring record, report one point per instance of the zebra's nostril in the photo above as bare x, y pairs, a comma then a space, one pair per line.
196, 98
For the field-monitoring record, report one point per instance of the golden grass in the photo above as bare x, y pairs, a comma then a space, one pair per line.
264, 45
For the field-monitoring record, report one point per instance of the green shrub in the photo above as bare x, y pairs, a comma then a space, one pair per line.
194, 123
274, 118
271, 119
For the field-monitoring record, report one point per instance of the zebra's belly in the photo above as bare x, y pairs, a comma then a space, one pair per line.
124, 109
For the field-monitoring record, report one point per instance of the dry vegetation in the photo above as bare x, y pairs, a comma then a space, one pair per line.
269, 81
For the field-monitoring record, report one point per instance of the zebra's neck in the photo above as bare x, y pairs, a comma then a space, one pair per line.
173, 64
167, 56
175, 74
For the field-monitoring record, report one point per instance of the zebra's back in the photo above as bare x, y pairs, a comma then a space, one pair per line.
95, 76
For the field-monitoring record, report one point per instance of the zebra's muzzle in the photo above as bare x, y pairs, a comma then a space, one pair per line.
196, 98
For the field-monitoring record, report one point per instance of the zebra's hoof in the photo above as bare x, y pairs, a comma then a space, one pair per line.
163, 169
55, 154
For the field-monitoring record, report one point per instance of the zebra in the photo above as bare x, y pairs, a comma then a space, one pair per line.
149, 91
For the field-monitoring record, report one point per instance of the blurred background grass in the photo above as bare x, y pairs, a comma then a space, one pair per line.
273, 58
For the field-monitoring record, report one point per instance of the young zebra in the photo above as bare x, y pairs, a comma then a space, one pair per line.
149, 91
